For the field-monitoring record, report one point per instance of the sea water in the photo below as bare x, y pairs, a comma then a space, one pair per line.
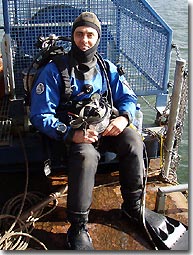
175, 14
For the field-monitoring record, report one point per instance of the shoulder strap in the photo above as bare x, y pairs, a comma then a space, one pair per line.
105, 69
61, 65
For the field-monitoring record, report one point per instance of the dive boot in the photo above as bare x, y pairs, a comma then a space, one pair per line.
78, 237
134, 212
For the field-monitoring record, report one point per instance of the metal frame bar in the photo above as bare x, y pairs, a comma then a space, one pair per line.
161, 195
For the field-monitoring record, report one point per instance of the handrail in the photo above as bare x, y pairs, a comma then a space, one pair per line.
161, 195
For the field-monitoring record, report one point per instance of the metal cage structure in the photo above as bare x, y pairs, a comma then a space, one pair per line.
133, 35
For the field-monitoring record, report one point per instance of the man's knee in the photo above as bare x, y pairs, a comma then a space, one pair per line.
131, 139
89, 152
85, 152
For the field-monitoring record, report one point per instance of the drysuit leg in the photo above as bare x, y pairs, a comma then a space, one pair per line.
129, 148
82, 168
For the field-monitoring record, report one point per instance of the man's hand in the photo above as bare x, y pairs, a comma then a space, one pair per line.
89, 136
116, 126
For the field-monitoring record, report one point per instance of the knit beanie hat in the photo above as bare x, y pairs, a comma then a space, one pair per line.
85, 19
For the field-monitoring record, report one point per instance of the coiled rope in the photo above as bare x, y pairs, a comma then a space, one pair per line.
16, 223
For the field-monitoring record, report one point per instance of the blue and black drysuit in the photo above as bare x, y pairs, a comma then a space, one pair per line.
83, 158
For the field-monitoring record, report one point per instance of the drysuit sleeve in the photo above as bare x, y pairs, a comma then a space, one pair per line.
124, 98
45, 98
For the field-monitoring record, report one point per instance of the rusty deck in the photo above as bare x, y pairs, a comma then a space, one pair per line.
108, 228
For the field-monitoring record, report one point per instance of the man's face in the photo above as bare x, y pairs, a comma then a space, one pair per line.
85, 37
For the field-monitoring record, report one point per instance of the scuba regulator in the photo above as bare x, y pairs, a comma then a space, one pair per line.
94, 115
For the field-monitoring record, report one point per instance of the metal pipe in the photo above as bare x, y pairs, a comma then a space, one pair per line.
170, 189
8, 52
161, 195
174, 110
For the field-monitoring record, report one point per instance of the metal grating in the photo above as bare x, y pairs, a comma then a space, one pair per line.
133, 34
5, 123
